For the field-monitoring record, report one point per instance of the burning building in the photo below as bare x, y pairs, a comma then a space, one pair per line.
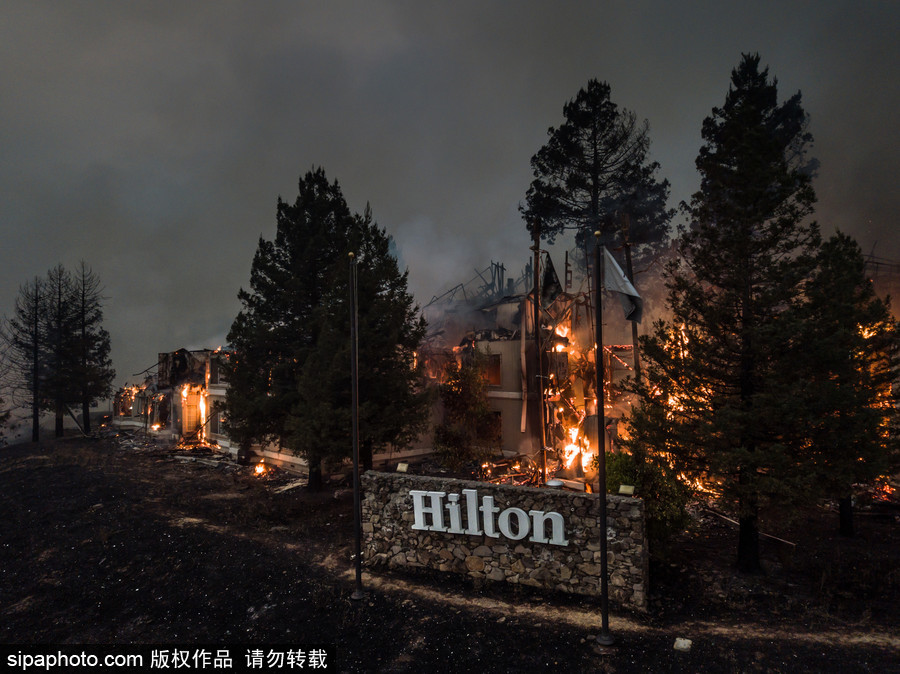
181, 400
184, 399
540, 374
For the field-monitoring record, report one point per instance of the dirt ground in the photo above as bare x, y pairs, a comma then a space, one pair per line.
122, 541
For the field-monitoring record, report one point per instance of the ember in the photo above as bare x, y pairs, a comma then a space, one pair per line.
882, 490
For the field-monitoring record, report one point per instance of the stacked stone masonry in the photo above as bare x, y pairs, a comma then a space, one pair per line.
390, 539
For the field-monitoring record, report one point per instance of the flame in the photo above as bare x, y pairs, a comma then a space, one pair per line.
155, 427
883, 490
201, 393
202, 415
577, 446
699, 485
260, 468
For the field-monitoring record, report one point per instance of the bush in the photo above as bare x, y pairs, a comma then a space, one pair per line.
665, 496
454, 447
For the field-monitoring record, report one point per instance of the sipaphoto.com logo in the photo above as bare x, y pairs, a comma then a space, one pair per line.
484, 518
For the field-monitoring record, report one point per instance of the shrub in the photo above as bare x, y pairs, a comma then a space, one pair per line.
665, 496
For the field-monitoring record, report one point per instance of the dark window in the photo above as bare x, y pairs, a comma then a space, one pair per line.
213, 370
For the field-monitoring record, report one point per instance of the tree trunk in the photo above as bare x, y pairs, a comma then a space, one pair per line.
845, 506
748, 533
748, 544
244, 454
59, 420
86, 417
35, 421
315, 475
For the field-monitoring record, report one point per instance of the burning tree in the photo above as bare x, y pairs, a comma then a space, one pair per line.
289, 375
719, 399
850, 363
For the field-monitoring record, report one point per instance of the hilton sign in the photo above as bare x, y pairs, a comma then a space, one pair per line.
484, 519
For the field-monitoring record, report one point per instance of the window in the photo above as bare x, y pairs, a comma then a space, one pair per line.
493, 371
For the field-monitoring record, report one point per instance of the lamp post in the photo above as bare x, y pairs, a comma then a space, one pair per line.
539, 361
605, 638
354, 411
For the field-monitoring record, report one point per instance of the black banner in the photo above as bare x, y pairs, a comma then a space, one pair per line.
173, 658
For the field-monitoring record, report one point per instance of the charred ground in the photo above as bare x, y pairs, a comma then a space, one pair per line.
109, 542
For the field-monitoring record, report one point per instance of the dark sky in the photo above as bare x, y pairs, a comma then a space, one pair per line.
152, 139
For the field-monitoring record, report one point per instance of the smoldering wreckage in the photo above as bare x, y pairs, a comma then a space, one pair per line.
546, 406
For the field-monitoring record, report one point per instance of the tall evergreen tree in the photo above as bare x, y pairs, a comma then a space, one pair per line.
720, 389
850, 361
57, 352
593, 171
92, 368
24, 344
289, 375
61, 350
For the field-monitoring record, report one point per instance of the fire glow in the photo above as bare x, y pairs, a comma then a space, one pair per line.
578, 446
188, 391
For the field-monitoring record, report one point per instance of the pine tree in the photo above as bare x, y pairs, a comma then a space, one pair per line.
289, 375
594, 170
60, 385
24, 344
274, 333
57, 352
470, 430
718, 400
849, 363
92, 368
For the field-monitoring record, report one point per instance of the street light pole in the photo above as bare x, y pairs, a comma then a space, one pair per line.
354, 410
539, 368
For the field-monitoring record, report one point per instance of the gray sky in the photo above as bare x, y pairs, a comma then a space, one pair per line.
152, 139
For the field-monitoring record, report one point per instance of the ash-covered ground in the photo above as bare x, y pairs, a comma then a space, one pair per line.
120, 540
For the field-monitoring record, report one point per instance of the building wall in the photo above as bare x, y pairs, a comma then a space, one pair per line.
507, 398
390, 539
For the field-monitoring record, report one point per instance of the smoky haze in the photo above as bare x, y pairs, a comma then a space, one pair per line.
151, 140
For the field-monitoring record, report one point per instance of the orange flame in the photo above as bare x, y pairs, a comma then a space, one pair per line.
577, 446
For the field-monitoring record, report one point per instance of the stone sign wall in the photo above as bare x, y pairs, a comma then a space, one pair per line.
543, 538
